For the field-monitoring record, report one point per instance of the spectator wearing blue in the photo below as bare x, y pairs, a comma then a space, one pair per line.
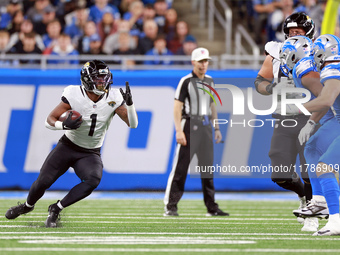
263, 10
168, 2
75, 29
51, 37
158, 50
305, 6
35, 13
84, 41
135, 16
6, 16
64, 48
189, 44
99, 8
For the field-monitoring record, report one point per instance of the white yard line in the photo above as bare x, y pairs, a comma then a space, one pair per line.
150, 233
169, 250
113, 239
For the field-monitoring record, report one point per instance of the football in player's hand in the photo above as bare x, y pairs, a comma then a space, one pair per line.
74, 116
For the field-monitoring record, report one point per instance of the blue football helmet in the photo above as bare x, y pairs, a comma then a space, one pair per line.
326, 48
293, 50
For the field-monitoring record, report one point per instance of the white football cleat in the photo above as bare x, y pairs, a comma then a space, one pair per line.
310, 225
313, 209
332, 228
300, 220
302, 205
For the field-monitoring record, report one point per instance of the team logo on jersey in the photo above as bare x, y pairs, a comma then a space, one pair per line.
112, 103
213, 90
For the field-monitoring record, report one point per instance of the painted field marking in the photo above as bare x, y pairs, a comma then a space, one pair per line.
159, 250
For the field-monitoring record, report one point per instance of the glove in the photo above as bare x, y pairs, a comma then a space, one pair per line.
306, 131
127, 95
69, 123
269, 87
284, 84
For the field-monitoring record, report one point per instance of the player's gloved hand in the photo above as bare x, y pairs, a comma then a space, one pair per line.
306, 131
127, 95
284, 84
69, 123
270, 87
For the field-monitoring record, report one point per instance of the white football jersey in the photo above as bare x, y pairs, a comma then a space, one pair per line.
96, 116
273, 49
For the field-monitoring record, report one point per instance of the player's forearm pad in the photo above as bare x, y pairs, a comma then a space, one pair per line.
132, 116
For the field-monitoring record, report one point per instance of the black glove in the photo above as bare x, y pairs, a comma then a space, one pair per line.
127, 95
270, 87
69, 123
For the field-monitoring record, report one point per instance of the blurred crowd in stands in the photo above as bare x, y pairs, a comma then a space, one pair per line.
265, 17
111, 27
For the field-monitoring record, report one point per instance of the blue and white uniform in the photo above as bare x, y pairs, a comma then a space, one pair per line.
319, 142
332, 155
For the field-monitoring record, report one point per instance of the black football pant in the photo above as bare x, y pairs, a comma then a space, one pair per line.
199, 142
284, 149
87, 165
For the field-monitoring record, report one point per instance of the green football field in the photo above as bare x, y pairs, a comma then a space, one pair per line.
128, 226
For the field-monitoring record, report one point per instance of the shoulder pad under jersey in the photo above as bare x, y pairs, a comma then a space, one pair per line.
330, 72
304, 66
273, 49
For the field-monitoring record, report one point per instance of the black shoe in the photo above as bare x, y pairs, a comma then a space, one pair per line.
16, 211
219, 212
170, 213
53, 216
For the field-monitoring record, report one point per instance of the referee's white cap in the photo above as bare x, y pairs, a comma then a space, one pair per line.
199, 54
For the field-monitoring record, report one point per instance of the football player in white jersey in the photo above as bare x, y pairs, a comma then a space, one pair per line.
80, 146
327, 58
297, 62
285, 147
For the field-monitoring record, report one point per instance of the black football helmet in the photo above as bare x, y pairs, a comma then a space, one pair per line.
96, 77
302, 20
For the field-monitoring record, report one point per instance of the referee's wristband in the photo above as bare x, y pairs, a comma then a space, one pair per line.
217, 129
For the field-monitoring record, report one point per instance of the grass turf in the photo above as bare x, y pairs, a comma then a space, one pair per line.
117, 226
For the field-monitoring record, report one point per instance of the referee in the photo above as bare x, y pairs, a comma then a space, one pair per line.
193, 110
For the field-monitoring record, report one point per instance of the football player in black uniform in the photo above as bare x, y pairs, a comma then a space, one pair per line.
285, 146
80, 146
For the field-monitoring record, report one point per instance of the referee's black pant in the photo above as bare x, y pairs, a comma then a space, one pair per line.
199, 142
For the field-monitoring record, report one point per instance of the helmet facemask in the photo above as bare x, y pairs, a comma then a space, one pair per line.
292, 51
96, 77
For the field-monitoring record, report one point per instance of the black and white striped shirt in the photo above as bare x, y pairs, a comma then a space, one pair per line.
192, 92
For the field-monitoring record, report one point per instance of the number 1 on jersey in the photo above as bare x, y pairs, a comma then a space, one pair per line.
93, 124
